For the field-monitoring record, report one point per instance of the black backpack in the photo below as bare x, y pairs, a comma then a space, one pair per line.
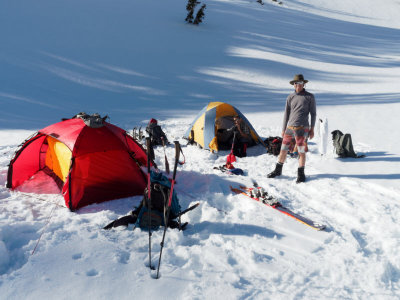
156, 134
160, 192
274, 144
343, 145
144, 217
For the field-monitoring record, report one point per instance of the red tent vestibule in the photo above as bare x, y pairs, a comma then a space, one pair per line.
88, 164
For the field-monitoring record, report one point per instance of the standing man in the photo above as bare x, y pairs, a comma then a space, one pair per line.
296, 127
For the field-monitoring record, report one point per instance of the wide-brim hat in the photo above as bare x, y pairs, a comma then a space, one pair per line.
297, 78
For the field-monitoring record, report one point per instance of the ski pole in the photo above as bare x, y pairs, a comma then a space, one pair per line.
148, 144
177, 152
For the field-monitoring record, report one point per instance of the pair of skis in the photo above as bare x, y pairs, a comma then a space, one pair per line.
259, 194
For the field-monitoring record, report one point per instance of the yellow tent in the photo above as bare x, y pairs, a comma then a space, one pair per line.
203, 129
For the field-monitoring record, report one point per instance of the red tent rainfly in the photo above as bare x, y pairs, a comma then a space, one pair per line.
85, 158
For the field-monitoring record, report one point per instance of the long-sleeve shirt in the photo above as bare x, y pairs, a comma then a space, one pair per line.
298, 107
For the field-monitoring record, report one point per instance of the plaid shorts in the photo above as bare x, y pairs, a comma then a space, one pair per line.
295, 136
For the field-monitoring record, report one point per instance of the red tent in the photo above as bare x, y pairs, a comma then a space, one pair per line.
88, 164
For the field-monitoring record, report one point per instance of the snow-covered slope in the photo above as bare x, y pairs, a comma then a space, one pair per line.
136, 60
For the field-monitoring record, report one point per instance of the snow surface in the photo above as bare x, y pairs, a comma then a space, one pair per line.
136, 60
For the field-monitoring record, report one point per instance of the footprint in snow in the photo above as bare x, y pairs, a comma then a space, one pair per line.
122, 257
77, 256
92, 273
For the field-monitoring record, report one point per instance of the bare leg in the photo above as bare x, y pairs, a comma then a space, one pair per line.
302, 160
282, 156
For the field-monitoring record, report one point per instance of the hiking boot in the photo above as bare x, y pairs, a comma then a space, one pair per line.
276, 172
301, 177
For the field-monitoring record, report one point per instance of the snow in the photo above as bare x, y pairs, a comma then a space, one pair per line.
136, 60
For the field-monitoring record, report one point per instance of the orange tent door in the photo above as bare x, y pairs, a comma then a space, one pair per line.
58, 158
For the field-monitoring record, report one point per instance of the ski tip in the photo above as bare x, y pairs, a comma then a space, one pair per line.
318, 226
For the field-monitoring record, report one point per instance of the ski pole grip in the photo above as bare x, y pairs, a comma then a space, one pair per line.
177, 149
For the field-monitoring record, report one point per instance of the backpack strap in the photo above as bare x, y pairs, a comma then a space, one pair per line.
125, 220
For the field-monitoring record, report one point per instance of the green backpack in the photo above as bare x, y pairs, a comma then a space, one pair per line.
343, 145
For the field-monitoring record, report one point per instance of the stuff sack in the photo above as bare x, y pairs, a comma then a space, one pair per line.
155, 217
343, 145
274, 144
323, 136
92, 121
157, 135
